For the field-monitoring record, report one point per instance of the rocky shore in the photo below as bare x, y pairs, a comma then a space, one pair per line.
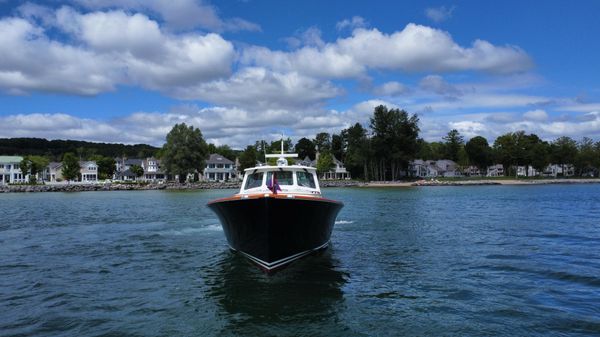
117, 187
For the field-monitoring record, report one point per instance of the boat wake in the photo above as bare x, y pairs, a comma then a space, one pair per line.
343, 222
192, 230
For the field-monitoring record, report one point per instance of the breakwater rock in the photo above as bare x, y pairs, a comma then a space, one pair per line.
340, 183
454, 183
117, 187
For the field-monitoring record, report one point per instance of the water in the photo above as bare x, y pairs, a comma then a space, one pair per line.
493, 260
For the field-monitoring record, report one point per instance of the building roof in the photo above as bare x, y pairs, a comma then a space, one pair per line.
55, 165
218, 159
10, 159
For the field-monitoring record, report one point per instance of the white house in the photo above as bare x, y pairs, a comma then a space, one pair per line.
338, 171
434, 168
496, 170
152, 169
219, 168
554, 170
10, 171
88, 171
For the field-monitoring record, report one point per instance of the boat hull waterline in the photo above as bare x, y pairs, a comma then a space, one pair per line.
275, 230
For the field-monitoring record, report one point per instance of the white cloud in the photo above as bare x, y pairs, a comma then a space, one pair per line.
179, 14
439, 14
112, 48
308, 37
535, 115
353, 23
391, 88
415, 48
256, 87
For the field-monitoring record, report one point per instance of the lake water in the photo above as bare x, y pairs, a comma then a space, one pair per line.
489, 260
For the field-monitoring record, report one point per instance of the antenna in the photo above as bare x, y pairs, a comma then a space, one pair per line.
281, 161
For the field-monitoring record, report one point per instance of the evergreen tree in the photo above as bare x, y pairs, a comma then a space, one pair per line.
305, 147
357, 152
323, 142
185, 151
453, 144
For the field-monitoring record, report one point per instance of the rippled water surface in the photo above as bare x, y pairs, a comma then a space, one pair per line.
500, 260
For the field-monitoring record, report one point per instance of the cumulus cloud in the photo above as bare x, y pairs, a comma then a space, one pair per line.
439, 14
180, 14
535, 115
256, 87
415, 48
391, 88
353, 23
113, 48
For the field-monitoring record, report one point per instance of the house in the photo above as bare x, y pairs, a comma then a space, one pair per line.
423, 169
555, 170
123, 168
152, 170
434, 168
88, 171
527, 171
338, 171
496, 170
219, 168
54, 172
10, 171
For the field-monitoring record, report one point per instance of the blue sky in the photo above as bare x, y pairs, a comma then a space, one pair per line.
127, 70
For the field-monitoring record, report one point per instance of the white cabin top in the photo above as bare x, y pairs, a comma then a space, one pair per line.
292, 180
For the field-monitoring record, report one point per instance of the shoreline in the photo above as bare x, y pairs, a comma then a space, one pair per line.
324, 184
482, 182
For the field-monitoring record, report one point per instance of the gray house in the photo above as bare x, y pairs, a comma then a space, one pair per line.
219, 168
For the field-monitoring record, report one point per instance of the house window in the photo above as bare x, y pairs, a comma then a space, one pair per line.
211, 165
227, 166
219, 165
8, 167
16, 166
1, 166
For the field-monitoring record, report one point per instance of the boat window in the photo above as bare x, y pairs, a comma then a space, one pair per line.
283, 177
305, 179
254, 180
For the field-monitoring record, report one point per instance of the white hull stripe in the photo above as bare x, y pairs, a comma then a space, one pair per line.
281, 262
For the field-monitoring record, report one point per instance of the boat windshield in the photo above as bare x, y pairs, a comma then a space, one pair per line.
283, 177
305, 179
254, 180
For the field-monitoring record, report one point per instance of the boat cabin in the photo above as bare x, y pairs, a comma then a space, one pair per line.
290, 180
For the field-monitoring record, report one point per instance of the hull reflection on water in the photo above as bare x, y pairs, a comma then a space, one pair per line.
292, 298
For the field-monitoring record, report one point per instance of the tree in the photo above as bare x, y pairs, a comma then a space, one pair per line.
248, 158
585, 161
564, 151
357, 151
338, 146
504, 151
185, 151
323, 142
479, 152
324, 163
305, 148
33, 165
137, 170
394, 142
106, 166
453, 143
225, 151
70, 166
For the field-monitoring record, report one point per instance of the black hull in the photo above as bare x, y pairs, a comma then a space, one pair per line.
274, 231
